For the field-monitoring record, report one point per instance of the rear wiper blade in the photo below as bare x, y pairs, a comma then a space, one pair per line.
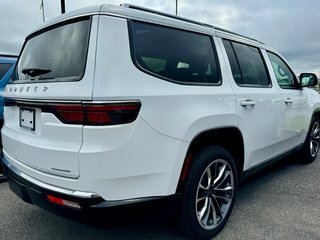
33, 72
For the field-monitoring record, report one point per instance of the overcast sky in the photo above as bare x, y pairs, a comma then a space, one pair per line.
290, 26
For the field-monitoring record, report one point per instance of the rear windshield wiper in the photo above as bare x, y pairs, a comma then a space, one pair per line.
33, 72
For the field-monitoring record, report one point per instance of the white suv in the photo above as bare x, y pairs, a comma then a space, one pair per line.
110, 105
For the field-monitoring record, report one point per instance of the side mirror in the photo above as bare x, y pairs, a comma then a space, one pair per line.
308, 79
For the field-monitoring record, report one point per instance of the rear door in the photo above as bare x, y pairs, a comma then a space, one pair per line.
53, 75
258, 102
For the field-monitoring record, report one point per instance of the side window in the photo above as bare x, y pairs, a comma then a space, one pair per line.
285, 77
247, 65
233, 62
174, 55
4, 67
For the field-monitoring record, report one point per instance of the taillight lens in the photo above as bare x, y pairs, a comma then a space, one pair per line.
67, 113
111, 114
95, 113
87, 113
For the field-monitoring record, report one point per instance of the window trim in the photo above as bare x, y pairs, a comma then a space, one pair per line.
297, 86
49, 28
263, 61
137, 65
5, 72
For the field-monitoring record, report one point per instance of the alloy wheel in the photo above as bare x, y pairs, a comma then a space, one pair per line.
314, 139
214, 194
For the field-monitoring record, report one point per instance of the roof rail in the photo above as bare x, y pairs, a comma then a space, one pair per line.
237, 34
135, 7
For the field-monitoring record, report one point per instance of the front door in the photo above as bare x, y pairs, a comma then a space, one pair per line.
295, 121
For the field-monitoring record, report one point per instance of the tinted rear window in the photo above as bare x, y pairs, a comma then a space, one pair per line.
4, 67
58, 54
174, 55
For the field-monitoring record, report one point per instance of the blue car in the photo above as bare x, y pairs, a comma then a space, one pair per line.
7, 64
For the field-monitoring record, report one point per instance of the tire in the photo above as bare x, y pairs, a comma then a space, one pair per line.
311, 145
207, 201
3, 177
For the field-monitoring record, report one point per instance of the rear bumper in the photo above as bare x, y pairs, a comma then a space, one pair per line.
35, 192
38, 195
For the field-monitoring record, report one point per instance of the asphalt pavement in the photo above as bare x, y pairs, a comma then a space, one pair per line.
281, 202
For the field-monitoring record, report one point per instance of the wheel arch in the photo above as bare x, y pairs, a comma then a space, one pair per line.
229, 138
316, 112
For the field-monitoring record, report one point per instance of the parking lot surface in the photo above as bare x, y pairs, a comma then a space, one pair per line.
281, 202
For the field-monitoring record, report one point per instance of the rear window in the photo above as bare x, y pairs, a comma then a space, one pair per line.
4, 67
174, 55
56, 54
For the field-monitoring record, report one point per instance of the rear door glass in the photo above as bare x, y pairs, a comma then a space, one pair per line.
247, 64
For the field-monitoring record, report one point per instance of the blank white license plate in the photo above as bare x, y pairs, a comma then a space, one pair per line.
27, 118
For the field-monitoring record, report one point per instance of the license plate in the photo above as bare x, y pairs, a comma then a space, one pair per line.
27, 118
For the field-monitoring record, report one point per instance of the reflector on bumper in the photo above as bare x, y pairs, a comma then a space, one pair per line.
63, 202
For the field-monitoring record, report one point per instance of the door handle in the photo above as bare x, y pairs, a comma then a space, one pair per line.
247, 103
288, 101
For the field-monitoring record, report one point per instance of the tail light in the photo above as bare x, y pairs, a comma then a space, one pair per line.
95, 113
89, 113
111, 114
66, 113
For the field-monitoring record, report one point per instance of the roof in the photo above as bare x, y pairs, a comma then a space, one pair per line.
145, 14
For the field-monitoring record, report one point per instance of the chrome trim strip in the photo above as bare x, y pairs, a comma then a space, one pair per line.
111, 101
36, 101
47, 101
49, 187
